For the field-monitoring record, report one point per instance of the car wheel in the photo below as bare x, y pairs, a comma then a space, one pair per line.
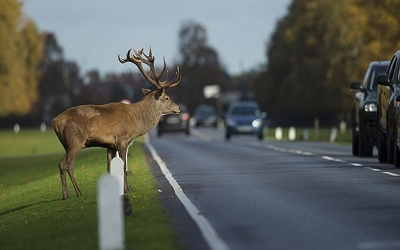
354, 144
365, 146
396, 156
187, 132
227, 135
382, 150
390, 149
260, 136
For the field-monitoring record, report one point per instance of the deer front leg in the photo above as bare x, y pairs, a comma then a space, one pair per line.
110, 155
123, 154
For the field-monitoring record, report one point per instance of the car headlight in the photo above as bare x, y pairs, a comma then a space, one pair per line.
256, 123
370, 107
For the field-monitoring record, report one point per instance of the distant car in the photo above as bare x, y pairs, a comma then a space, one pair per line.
244, 118
175, 123
364, 110
205, 115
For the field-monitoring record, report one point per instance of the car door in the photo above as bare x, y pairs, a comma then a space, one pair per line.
384, 97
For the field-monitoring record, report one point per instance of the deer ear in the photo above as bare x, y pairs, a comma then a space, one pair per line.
145, 91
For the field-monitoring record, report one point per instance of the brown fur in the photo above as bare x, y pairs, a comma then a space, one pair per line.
113, 126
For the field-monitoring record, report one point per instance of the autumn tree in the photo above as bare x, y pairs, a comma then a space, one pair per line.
20, 54
317, 50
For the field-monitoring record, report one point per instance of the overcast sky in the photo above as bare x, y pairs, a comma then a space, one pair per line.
93, 32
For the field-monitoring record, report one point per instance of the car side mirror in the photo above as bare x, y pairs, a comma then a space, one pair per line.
263, 115
398, 101
356, 86
383, 80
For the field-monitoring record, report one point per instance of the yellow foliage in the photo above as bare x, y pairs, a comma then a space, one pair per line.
21, 51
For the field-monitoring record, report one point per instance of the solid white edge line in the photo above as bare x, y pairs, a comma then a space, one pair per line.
212, 238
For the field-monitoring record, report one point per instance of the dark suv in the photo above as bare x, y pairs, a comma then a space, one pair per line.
364, 115
175, 123
388, 106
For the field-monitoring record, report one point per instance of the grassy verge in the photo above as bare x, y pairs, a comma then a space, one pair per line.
33, 215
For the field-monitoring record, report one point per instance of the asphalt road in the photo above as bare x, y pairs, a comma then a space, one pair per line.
277, 194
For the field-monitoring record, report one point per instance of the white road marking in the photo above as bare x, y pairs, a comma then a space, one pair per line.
210, 235
392, 174
373, 169
201, 136
379, 245
207, 138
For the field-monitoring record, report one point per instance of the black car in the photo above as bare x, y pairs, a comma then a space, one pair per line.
364, 110
205, 115
175, 123
244, 118
388, 112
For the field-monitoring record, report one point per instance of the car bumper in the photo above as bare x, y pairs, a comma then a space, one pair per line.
368, 125
244, 129
173, 127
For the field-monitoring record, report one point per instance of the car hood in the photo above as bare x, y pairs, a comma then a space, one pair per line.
372, 96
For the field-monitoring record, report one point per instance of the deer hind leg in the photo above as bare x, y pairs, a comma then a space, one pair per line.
67, 165
72, 177
62, 166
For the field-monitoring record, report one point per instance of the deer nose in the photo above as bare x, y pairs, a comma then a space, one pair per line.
177, 111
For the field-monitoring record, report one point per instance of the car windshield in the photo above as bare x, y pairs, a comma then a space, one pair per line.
372, 84
244, 110
206, 112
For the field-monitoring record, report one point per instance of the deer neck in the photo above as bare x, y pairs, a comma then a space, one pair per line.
148, 115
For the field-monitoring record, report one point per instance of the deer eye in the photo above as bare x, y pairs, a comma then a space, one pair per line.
166, 98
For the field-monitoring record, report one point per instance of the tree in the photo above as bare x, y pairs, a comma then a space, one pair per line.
60, 81
20, 55
199, 64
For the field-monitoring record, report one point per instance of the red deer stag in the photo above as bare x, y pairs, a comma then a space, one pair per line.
114, 125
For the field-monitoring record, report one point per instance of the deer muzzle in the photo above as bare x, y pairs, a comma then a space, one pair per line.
176, 110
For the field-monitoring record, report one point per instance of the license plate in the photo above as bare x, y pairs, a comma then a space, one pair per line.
245, 128
173, 120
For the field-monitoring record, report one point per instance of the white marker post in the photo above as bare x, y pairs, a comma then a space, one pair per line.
278, 133
292, 134
117, 170
109, 214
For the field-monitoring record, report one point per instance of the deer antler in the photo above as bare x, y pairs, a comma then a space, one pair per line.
137, 59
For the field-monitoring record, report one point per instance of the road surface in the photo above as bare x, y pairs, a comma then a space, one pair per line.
276, 194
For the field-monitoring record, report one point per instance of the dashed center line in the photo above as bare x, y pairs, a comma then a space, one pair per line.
207, 138
390, 173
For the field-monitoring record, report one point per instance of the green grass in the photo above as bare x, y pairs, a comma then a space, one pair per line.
33, 215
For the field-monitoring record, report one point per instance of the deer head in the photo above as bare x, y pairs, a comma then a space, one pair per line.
166, 105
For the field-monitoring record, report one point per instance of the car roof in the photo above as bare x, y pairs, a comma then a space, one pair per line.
378, 63
243, 103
